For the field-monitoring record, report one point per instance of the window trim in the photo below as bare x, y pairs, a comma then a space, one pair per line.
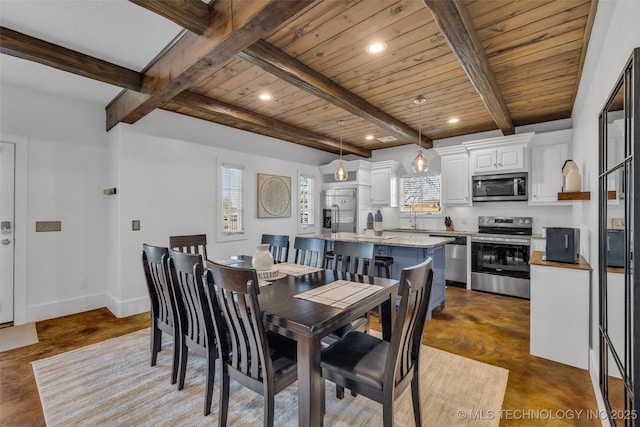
307, 228
403, 196
312, 202
222, 234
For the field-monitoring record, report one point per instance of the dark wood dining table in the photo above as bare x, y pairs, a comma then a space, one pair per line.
308, 322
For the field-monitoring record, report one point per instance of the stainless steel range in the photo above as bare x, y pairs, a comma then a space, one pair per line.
500, 255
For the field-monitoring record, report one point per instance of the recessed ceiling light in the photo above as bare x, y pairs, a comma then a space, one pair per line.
265, 97
368, 137
453, 120
389, 138
376, 47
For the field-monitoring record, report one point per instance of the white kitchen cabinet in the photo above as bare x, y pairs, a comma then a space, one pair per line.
455, 175
504, 154
559, 318
548, 153
384, 183
498, 160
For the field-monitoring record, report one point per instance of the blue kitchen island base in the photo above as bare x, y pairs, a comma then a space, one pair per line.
406, 251
404, 257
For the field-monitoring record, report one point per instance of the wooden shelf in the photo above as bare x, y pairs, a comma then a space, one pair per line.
583, 195
574, 195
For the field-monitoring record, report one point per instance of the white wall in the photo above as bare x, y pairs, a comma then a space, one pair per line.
167, 182
170, 186
66, 169
615, 34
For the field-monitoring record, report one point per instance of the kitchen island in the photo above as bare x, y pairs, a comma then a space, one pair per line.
407, 251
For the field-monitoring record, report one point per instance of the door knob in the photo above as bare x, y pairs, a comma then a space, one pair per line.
5, 242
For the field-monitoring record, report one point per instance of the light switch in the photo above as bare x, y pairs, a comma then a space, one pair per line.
135, 225
48, 226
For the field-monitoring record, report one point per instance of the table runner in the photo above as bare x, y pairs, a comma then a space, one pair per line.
296, 270
226, 261
340, 294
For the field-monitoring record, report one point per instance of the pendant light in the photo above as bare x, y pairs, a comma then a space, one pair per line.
420, 163
341, 173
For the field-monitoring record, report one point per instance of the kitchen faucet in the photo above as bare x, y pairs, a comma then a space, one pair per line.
413, 221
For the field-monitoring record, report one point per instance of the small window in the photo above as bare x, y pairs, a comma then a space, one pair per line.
306, 201
421, 194
232, 212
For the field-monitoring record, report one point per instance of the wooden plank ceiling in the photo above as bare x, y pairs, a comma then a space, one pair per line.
492, 64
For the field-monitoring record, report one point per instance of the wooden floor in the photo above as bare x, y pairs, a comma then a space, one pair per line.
489, 328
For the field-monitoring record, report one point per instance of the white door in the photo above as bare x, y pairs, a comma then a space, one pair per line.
7, 179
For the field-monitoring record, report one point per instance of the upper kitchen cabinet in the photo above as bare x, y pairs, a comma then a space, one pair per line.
499, 155
384, 183
359, 173
548, 153
455, 175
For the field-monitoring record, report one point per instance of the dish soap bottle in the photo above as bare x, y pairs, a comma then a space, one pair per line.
377, 225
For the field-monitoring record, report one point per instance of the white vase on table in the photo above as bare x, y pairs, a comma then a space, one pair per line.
262, 260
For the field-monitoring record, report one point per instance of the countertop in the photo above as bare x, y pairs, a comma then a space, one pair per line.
405, 241
431, 231
536, 259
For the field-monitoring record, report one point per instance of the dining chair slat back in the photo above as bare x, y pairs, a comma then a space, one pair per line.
164, 317
351, 257
186, 272
248, 354
309, 251
390, 366
190, 244
354, 257
279, 246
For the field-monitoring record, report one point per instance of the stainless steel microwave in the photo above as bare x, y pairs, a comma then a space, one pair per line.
504, 187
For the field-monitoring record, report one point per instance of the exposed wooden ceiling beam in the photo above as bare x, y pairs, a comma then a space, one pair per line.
211, 106
32, 49
236, 25
456, 26
190, 14
281, 65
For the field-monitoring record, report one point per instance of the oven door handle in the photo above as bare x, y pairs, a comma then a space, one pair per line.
524, 242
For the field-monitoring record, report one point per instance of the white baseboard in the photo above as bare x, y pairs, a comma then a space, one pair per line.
36, 313
55, 309
127, 308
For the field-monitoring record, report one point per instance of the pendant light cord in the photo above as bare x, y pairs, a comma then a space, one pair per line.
341, 123
419, 100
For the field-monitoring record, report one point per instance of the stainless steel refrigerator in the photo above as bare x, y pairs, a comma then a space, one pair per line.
339, 210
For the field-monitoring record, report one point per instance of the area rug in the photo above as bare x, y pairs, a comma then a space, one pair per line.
18, 336
112, 384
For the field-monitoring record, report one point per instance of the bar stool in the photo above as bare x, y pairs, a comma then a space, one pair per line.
383, 263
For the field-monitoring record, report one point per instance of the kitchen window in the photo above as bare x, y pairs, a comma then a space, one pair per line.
306, 201
232, 203
421, 194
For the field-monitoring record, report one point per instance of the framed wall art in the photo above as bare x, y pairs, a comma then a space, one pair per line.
274, 196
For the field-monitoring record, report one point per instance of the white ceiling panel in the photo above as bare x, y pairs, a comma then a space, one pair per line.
31, 75
117, 31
